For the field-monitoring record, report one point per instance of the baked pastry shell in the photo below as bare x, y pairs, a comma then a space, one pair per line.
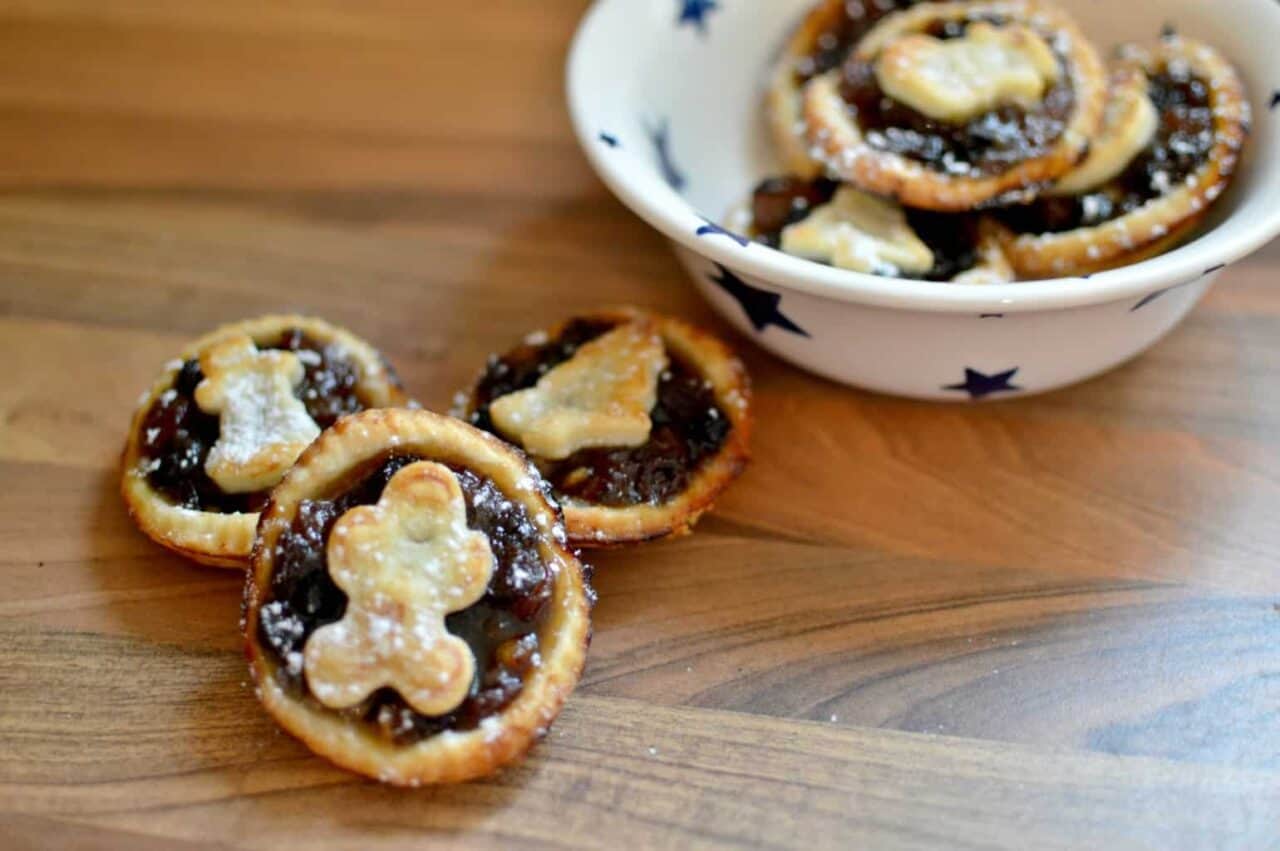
336, 461
840, 143
784, 96
226, 539
1162, 223
597, 526
992, 261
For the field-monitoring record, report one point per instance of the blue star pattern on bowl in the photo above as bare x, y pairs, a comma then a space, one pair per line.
760, 306
979, 385
1150, 297
713, 229
660, 135
609, 139
695, 12
1147, 299
1275, 99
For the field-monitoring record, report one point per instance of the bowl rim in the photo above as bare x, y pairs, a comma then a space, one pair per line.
673, 216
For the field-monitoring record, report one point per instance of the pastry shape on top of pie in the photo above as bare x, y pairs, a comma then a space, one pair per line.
954, 106
413, 612
1176, 123
841, 226
225, 420
637, 421
600, 397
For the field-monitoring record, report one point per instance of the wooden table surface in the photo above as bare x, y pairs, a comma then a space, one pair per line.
1051, 621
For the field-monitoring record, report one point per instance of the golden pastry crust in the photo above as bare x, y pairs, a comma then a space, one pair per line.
843, 148
1163, 222
212, 538
334, 463
993, 265
1129, 123
784, 96
604, 526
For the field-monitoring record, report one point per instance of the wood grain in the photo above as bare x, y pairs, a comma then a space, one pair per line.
1049, 621
656, 775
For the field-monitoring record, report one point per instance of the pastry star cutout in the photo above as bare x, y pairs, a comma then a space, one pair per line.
405, 563
263, 427
599, 397
860, 232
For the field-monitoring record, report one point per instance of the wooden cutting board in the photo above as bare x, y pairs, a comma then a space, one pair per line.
1050, 621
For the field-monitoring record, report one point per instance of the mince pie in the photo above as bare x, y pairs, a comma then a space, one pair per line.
413, 612
952, 106
1175, 124
224, 421
819, 44
637, 421
835, 224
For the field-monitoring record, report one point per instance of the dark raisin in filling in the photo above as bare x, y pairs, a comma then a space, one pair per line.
949, 29
845, 29
989, 144
1184, 138
501, 628
688, 426
781, 201
953, 239
177, 435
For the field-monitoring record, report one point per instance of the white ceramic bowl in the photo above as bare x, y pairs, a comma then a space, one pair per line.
665, 98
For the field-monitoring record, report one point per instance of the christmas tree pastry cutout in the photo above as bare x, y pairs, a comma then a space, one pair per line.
600, 397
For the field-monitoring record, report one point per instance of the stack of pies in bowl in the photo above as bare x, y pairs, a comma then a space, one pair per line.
988, 142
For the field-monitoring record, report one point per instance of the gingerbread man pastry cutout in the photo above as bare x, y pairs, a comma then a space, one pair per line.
263, 426
405, 563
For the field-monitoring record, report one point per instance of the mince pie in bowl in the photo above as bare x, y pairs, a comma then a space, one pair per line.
1175, 125
819, 44
227, 418
951, 106
835, 224
637, 421
413, 612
